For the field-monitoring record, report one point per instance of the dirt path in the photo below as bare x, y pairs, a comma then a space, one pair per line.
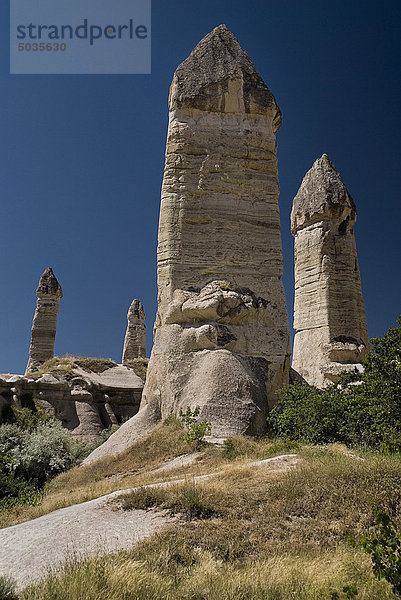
29, 550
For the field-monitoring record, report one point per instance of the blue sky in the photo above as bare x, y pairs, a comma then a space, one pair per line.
81, 160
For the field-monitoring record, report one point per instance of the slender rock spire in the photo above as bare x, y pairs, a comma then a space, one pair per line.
45, 320
329, 314
135, 337
221, 332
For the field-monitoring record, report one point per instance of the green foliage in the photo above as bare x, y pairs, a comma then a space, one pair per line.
349, 593
384, 546
195, 430
13, 490
30, 457
229, 449
28, 419
7, 588
363, 409
47, 451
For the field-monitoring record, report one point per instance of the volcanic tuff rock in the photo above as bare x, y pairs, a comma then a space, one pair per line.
329, 314
45, 320
221, 332
135, 337
84, 401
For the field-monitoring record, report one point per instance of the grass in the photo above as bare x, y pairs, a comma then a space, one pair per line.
7, 588
182, 573
107, 475
135, 467
247, 533
139, 366
67, 364
328, 498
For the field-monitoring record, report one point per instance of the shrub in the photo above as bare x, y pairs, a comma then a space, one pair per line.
30, 458
195, 430
367, 413
47, 451
349, 592
27, 419
11, 438
384, 546
13, 490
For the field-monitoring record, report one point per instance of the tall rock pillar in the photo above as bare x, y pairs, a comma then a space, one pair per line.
45, 320
221, 332
135, 337
329, 314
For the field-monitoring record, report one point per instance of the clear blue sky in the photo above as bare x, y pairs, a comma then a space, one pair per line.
81, 160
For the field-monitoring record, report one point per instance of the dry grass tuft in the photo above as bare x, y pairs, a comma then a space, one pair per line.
140, 366
96, 365
194, 574
190, 500
67, 364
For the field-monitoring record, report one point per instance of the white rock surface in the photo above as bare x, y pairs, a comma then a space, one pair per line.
329, 314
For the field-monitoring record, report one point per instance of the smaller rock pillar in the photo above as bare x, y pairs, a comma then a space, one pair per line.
44, 324
135, 337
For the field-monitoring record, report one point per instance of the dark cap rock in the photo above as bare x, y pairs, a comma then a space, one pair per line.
321, 196
203, 79
48, 284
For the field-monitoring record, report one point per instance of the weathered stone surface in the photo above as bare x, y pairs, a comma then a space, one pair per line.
135, 337
221, 332
45, 320
329, 314
85, 402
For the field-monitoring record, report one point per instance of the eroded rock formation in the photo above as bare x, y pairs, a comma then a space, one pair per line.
44, 321
135, 337
84, 401
329, 314
221, 332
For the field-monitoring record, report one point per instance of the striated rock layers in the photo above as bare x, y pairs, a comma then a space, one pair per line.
221, 331
85, 402
329, 314
135, 337
45, 320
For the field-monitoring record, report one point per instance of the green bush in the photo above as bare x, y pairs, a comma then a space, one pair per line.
28, 419
30, 458
45, 453
384, 546
363, 409
13, 490
195, 430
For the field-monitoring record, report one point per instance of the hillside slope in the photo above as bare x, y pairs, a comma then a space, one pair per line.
249, 532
